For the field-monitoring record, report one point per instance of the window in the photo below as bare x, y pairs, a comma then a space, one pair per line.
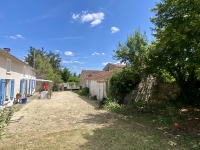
24, 71
8, 66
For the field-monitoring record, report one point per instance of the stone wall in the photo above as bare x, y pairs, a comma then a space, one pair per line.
149, 90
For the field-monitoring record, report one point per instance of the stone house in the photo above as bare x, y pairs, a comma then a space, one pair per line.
97, 84
84, 75
111, 66
95, 80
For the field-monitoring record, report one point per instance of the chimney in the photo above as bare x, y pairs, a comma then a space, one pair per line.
6, 50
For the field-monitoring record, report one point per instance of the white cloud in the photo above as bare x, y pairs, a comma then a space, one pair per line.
18, 36
68, 53
75, 16
12, 37
78, 62
71, 62
95, 53
114, 29
95, 22
74, 67
67, 62
105, 63
93, 18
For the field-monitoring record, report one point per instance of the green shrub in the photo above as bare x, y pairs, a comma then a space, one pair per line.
84, 91
5, 116
121, 83
111, 105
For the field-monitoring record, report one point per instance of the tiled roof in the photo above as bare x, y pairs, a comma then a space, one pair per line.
91, 71
101, 75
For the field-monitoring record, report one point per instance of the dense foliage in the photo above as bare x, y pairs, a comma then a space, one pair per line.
48, 67
177, 45
84, 91
5, 116
134, 52
65, 74
121, 83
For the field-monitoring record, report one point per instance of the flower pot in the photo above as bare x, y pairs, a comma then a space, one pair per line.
24, 100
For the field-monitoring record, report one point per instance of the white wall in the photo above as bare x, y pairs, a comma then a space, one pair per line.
98, 89
16, 71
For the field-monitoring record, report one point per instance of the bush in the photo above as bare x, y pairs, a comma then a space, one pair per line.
111, 106
121, 83
84, 91
5, 116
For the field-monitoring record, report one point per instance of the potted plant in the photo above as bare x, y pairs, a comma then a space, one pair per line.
18, 96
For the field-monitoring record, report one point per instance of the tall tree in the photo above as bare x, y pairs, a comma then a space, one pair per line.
134, 51
74, 74
177, 50
55, 60
65, 74
43, 66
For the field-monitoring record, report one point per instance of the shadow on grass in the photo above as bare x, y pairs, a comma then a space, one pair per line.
92, 102
106, 131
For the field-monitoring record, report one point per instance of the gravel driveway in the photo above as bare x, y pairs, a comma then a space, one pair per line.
64, 111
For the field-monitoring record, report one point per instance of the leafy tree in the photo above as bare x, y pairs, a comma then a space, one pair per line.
74, 74
121, 83
177, 47
55, 60
73, 79
134, 51
56, 78
43, 66
30, 57
46, 64
65, 74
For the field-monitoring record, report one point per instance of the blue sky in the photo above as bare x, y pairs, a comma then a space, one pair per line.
85, 32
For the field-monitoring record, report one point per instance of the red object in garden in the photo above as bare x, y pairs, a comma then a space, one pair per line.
175, 124
45, 86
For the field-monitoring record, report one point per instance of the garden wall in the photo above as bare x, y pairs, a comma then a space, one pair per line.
149, 90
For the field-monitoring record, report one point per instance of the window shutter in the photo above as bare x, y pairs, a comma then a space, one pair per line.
26, 87
21, 86
12, 89
30, 87
2, 91
34, 84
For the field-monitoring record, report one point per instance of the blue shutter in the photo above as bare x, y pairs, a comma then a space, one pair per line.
26, 87
12, 89
32, 86
35, 84
2, 91
21, 86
